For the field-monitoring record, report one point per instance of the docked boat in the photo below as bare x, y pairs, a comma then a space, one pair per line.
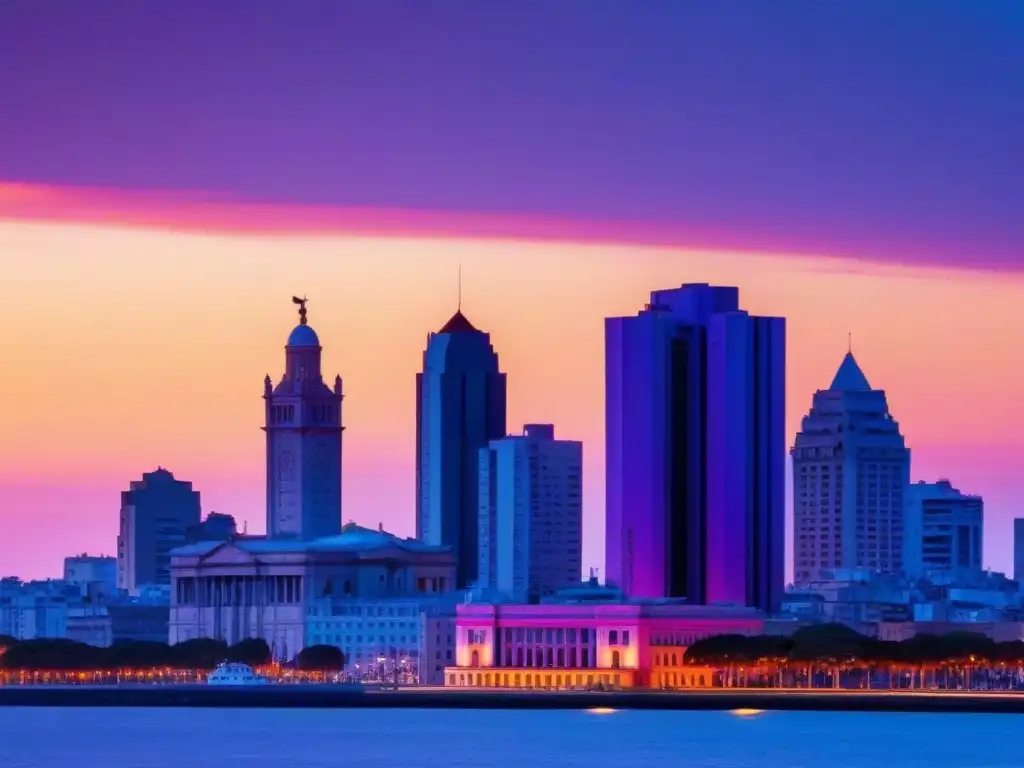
235, 674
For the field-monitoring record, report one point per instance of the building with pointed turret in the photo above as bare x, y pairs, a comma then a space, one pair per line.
851, 470
304, 435
311, 580
460, 408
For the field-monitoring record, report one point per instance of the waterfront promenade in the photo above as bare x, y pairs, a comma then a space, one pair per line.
328, 696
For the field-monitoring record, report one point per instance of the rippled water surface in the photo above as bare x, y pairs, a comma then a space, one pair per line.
405, 738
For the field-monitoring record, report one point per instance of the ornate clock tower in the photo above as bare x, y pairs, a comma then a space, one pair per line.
303, 426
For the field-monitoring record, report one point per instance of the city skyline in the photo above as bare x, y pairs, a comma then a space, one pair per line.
166, 187
975, 446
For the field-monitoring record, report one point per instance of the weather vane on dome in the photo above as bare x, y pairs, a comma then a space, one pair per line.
302, 307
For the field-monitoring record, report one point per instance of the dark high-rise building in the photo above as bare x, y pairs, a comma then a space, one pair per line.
460, 408
156, 512
695, 441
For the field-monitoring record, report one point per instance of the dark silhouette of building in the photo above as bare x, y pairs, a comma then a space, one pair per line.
460, 407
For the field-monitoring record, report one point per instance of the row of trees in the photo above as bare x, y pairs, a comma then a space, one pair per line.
836, 644
199, 654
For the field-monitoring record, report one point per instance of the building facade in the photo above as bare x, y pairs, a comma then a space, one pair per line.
284, 590
121, 619
531, 514
587, 637
31, 610
943, 530
695, 441
413, 636
156, 511
460, 408
303, 429
1018, 550
214, 527
851, 470
97, 576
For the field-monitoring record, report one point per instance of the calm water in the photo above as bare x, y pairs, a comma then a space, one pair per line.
197, 738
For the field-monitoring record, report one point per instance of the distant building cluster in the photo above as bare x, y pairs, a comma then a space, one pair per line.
489, 591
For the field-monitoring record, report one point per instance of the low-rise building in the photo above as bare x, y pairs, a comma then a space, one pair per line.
286, 590
122, 619
588, 636
414, 635
31, 610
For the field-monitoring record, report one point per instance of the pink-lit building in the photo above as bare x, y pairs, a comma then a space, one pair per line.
588, 636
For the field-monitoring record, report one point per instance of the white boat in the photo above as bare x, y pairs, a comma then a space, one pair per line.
235, 674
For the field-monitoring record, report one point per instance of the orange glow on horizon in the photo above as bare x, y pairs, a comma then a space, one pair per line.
128, 347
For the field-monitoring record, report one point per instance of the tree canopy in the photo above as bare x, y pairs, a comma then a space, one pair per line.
838, 644
59, 654
321, 658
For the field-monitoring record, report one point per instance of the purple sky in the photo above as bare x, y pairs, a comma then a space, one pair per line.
895, 128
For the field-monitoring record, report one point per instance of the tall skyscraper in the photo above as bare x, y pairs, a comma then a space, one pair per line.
695, 411
156, 511
851, 469
460, 408
531, 514
942, 530
303, 426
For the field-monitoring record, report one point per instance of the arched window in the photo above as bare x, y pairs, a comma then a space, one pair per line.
474, 659
615, 660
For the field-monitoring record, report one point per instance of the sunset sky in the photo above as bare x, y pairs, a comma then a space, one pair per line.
169, 179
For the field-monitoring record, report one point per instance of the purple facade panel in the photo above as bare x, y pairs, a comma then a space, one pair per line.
635, 475
613, 404
729, 454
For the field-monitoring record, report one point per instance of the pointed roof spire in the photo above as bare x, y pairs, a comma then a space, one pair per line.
458, 323
849, 377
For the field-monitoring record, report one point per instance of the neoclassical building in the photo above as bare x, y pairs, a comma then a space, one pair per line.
275, 588
588, 636
296, 585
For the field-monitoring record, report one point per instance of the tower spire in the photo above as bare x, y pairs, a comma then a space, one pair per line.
849, 342
459, 305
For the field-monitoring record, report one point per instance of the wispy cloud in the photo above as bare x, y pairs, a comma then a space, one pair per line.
210, 213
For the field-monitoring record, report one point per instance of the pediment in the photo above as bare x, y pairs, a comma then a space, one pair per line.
228, 554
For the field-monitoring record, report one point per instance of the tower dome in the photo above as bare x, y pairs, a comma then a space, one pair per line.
303, 336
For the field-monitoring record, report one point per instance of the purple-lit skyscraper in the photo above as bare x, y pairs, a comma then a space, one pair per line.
695, 440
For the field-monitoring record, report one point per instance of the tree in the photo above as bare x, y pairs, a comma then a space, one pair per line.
6, 641
53, 654
201, 653
253, 651
321, 658
139, 654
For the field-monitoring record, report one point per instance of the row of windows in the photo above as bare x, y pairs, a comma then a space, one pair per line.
544, 681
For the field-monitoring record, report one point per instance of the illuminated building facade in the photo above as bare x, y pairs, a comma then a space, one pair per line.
695, 441
585, 637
